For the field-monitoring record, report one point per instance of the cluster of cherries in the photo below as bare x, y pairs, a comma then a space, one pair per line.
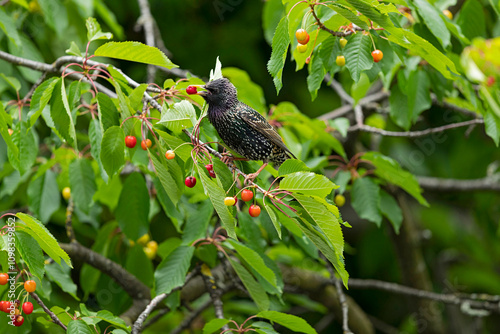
7, 306
303, 38
130, 142
246, 196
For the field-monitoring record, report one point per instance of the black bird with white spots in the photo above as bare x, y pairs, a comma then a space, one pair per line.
242, 128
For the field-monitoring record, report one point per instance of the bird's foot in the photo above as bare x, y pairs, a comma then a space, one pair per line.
250, 177
227, 159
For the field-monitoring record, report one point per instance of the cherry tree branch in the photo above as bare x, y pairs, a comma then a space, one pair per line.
136, 328
465, 301
52, 315
414, 134
489, 183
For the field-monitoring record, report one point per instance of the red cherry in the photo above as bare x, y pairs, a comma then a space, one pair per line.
246, 195
377, 55
27, 307
30, 286
209, 167
5, 306
19, 321
191, 90
490, 81
4, 278
190, 181
254, 210
212, 174
145, 144
130, 141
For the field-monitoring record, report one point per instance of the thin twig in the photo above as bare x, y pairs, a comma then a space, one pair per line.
489, 183
186, 323
468, 300
137, 327
213, 291
414, 134
54, 317
69, 226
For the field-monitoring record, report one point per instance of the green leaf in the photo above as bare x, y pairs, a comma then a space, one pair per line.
44, 196
25, 140
399, 111
11, 146
133, 207
60, 274
390, 170
253, 259
31, 253
255, 290
180, 116
95, 138
12, 82
213, 325
308, 183
358, 55
166, 180
108, 114
61, 114
350, 15
113, 150
291, 166
217, 195
288, 320
44, 238
82, 182
325, 220
136, 96
78, 327
365, 195
74, 50
139, 265
94, 30
134, 51
434, 21
390, 209
307, 225
171, 272
197, 222
8, 26
316, 75
471, 19
272, 214
492, 126
418, 92
278, 55
112, 319
40, 98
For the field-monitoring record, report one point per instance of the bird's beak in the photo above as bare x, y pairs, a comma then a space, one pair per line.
203, 92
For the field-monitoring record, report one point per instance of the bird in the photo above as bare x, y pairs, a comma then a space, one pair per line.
243, 129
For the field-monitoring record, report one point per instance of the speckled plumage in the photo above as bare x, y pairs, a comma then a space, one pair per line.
242, 128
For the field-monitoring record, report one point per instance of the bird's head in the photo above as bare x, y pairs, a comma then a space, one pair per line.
220, 93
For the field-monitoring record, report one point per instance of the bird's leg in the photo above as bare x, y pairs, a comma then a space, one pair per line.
251, 177
228, 159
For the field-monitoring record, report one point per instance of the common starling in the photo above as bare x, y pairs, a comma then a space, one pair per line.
242, 128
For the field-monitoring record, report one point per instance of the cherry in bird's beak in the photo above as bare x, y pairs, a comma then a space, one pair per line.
203, 92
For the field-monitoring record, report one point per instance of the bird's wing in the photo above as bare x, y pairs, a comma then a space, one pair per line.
261, 125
